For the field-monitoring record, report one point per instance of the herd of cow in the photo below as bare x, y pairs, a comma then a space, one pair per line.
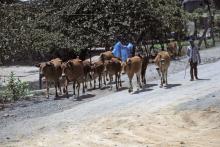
81, 72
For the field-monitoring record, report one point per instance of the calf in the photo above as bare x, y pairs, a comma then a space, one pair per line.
114, 67
52, 71
133, 66
98, 69
73, 71
162, 60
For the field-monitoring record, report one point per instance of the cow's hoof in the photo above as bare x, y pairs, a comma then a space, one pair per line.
130, 90
78, 99
67, 96
161, 86
56, 98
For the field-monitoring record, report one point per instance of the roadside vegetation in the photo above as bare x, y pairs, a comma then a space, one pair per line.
14, 90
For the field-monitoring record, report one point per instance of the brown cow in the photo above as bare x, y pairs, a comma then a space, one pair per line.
162, 60
114, 67
73, 72
172, 49
106, 56
133, 66
98, 69
52, 71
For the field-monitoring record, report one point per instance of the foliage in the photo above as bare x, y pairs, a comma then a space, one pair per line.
15, 89
31, 29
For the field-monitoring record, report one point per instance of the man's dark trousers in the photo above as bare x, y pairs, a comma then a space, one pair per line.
193, 70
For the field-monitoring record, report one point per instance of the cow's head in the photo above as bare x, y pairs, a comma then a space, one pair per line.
162, 61
123, 65
44, 66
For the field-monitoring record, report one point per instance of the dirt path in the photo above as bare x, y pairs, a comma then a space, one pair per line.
184, 114
39, 106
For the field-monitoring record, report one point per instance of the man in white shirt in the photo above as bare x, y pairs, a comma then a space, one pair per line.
194, 59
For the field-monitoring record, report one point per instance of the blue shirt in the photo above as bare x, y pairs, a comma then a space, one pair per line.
122, 51
117, 49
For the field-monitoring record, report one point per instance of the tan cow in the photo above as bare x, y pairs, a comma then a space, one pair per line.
52, 71
73, 71
162, 60
114, 67
98, 70
106, 56
133, 66
172, 49
87, 67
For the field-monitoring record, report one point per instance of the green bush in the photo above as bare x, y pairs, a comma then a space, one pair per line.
15, 89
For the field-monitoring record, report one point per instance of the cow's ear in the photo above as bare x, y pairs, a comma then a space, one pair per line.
38, 64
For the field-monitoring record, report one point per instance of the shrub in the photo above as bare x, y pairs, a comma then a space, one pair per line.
15, 89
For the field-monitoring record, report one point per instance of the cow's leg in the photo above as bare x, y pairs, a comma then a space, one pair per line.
47, 87
66, 88
74, 88
83, 88
161, 80
59, 87
90, 82
116, 81
144, 77
104, 79
110, 82
106, 74
56, 85
166, 77
100, 80
130, 82
119, 79
94, 83
139, 79
78, 84
85, 82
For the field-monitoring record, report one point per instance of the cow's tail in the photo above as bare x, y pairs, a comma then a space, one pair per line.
129, 63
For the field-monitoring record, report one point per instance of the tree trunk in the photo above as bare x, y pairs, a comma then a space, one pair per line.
211, 24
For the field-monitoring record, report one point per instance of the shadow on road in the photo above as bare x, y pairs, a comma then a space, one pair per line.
142, 90
169, 86
204, 79
87, 96
150, 85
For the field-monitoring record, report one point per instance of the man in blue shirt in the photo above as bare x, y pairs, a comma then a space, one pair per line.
122, 51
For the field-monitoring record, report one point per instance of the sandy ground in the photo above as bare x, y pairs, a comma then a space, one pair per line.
183, 114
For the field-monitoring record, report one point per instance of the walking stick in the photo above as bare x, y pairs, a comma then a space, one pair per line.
187, 64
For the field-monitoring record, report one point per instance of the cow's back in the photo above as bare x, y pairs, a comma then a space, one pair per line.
134, 64
114, 66
163, 55
106, 55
